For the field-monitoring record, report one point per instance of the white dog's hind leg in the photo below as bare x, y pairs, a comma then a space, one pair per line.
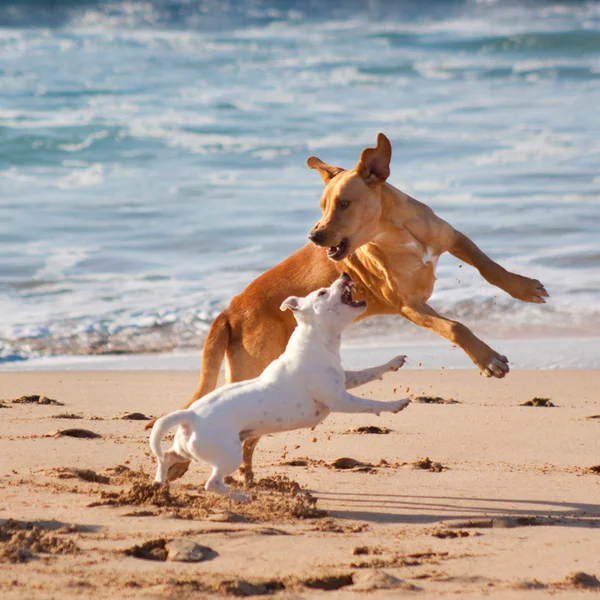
169, 459
225, 456
356, 378
161, 472
347, 403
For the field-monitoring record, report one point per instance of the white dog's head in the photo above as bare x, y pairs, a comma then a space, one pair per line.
329, 308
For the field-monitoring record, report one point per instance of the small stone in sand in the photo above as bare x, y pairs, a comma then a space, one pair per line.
183, 550
77, 433
346, 463
366, 581
582, 580
135, 416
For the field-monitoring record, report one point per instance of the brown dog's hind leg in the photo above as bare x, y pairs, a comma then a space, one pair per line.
519, 287
245, 470
490, 363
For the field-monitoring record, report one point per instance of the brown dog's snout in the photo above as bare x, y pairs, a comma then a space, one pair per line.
317, 236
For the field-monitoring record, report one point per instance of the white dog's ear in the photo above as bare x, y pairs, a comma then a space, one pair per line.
291, 303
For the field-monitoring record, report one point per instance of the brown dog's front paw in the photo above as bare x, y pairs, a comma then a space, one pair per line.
527, 290
497, 366
177, 470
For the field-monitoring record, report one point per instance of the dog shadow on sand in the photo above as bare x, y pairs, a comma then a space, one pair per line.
466, 512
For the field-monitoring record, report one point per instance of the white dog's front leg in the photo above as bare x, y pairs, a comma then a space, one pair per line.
347, 403
357, 378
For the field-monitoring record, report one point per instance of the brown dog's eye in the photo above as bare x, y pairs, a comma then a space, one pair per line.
322, 293
342, 204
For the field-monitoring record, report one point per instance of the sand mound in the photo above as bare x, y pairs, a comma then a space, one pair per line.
36, 399
434, 400
428, 465
369, 429
538, 402
273, 498
20, 542
582, 580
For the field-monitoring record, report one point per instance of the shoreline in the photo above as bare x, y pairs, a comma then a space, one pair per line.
545, 353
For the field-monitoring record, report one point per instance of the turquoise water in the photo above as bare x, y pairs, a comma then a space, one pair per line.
152, 156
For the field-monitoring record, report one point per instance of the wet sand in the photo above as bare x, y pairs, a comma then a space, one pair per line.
507, 504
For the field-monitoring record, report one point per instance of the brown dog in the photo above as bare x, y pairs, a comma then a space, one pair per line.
388, 243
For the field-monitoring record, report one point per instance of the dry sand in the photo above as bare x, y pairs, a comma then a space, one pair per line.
509, 506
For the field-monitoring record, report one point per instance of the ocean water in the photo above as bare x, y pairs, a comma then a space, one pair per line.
152, 157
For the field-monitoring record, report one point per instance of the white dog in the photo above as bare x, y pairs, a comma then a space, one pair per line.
297, 390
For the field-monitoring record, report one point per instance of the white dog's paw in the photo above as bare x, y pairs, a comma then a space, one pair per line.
399, 405
239, 497
396, 363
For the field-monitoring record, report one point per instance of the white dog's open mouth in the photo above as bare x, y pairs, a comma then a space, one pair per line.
347, 296
338, 252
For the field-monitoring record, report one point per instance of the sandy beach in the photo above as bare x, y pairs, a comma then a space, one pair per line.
507, 504
155, 161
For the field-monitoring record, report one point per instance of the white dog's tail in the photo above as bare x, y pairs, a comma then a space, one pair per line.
162, 425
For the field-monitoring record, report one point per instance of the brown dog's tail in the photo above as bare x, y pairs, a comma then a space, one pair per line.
212, 356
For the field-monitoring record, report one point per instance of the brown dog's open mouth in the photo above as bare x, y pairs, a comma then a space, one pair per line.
347, 296
338, 252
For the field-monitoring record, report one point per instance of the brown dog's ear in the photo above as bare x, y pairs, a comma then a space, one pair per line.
374, 163
291, 303
327, 171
